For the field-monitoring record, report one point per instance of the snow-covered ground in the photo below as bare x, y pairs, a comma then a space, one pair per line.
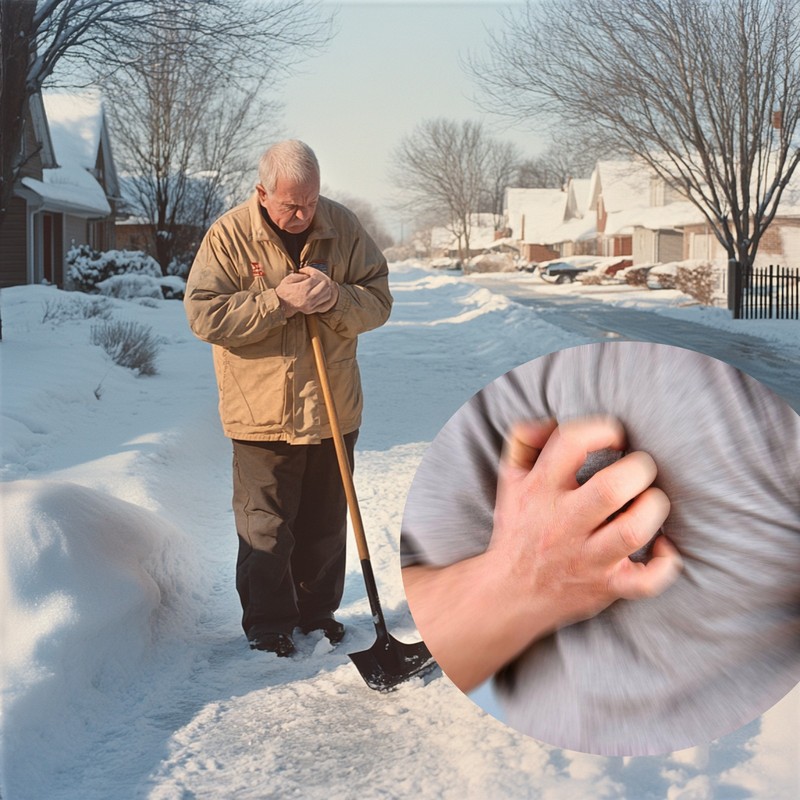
667, 302
125, 673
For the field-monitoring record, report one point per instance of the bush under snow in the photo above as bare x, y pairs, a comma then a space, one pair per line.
86, 268
131, 286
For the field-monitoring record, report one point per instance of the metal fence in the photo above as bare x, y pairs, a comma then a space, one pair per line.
771, 292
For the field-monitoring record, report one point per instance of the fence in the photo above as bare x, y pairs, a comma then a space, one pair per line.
771, 292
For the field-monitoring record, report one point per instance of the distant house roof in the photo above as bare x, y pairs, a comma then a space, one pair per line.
581, 188
622, 184
80, 142
533, 214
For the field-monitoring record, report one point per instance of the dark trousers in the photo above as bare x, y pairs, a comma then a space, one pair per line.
291, 518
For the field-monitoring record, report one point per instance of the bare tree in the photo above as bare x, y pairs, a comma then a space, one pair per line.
36, 37
367, 216
502, 166
568, 156
181, 127
445, 169
706, 92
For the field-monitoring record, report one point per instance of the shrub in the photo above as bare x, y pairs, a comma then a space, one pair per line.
87, 267
697, 279
592, 278
180, 265
172, 287
130, 286
637, 276
60, 310
129, 344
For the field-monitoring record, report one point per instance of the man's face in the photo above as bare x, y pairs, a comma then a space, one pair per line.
292, 205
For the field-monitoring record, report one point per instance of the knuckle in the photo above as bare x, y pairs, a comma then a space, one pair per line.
630, 533
605, 491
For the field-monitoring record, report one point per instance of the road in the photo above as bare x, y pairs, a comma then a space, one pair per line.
777, 367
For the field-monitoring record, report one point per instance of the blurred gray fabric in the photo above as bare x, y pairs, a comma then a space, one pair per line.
720, 646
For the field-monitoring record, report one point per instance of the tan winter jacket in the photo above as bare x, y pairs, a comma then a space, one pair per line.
268, 388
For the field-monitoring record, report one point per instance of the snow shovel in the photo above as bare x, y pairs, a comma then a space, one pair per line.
388, 662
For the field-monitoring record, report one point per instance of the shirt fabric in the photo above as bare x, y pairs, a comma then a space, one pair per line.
722, 644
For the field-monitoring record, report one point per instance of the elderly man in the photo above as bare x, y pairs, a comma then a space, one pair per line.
262, 267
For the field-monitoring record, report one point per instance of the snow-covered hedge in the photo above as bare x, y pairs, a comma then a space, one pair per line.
491, 262
697, 279
128, 287
86, 268
126, 274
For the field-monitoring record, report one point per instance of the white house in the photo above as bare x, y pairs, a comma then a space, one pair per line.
67, 190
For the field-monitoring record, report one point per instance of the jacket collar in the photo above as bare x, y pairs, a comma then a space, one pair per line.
321, 225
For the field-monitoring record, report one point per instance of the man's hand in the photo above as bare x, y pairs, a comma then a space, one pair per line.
555, 557
308, 291
569, 544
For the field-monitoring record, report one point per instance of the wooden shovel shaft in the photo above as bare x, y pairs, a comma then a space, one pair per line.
338, 439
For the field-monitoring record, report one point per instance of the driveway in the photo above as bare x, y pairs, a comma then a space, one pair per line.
776, 366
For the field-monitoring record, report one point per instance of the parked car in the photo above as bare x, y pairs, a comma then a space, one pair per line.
566, 270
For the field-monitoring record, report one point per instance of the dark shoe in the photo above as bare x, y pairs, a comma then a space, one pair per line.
279, 643
332, 628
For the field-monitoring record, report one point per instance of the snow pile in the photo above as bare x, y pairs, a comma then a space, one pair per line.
126, 673
87, 585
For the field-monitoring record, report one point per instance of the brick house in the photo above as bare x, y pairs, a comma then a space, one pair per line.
67, 190
545, 221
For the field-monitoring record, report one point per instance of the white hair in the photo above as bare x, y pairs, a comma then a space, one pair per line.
291, 159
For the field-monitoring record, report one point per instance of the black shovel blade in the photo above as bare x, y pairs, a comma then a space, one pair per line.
390, 662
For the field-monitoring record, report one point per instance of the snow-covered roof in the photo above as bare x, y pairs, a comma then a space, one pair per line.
672, 215
581, 188
533, 214
622, 184
578, 229
75, 122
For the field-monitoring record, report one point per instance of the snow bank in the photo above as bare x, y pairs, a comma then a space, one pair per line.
87, 584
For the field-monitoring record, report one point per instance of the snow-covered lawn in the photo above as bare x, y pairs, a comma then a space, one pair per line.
125, 672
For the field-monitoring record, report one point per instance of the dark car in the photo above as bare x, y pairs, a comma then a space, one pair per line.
564, 271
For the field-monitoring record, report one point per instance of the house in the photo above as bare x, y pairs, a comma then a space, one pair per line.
543, 219
67, 191
780, 243
658, 231
619, 192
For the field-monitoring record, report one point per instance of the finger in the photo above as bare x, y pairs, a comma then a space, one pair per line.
566, 450
609, 489
522, 446
633, 581
316, 275
525, 441
294, 277
632, 528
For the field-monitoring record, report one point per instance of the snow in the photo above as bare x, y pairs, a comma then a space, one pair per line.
125, 673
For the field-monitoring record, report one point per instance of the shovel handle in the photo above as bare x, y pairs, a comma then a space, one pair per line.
338, 438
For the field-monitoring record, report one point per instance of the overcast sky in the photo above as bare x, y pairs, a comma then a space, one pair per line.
389, 66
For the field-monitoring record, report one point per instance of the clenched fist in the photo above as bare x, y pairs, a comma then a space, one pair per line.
558, 552
308, 291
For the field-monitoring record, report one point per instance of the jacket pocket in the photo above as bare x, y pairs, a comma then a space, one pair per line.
255, 390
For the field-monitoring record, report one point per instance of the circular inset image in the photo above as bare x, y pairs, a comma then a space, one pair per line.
611, 533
